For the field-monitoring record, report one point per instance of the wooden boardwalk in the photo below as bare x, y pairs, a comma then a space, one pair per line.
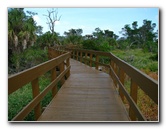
87, 95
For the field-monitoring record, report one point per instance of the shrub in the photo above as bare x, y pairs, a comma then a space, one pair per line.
27, 59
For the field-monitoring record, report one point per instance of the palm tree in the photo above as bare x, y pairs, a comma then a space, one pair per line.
21, 28
21, 32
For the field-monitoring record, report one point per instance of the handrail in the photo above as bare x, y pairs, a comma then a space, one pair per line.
118, 68
17, 81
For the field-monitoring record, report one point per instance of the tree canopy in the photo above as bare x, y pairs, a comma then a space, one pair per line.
22, 29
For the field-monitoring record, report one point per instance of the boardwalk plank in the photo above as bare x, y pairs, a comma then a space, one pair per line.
87, 95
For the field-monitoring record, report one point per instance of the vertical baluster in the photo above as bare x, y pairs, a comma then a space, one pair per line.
68, 64
90, 59
77, 55
35, 92
71, 54
112, 65
86, 58
81, 57
133, 94
97, 60
122, 78
116, 71
53, 77
61, 70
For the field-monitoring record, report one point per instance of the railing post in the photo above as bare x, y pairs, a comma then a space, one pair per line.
133, 94
90, 59
35, 92
113, 67
86, 58
53, 77
97, 60
81, 57
77, 55
67, 65
115, 70
71, 54
122, 78
111, 64
61, 70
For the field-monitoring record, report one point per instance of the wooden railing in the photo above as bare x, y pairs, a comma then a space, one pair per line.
117, 70
32, 75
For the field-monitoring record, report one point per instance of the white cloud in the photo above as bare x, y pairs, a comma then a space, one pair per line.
57, 22
36, 18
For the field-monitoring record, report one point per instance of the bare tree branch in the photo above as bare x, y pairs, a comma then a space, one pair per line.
52, 17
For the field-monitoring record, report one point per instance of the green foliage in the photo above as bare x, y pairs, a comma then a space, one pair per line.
20, 98
143, 37
90, 44
151, 47
93, 45
21, 27
153, 66
138, 58
73, 36
47, 39
154, 57
29, 58
105, 47
122, 44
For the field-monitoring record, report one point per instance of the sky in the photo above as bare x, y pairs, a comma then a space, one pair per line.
88, 19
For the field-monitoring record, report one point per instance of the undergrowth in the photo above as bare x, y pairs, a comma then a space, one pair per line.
139, 59
147, 63
19, 99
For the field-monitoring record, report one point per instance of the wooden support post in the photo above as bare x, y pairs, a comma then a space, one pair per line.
71, 54
133, 94
35, 92
86, 62
110, 73
53, 77
77, 55
112, 65
115, 69
81, 57
122, 78
97, 60
90, 59
68, 64
61, 70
